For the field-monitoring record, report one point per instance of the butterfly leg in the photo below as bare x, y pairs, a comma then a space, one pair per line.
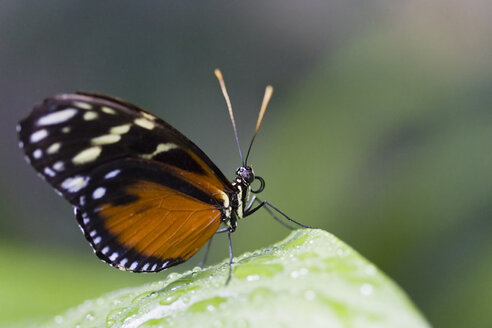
205, 255
265, 203
229, 230
224, 230
231, 256
207, 250
253, 199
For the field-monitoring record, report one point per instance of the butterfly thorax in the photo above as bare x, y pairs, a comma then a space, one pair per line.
239, 198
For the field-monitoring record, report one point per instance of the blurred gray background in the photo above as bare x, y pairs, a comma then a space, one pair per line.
379, 131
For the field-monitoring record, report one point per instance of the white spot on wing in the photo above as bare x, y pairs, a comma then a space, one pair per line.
98, 193
82, 105
21, 144
37, 153
123, 262
161, 148
53, 148
114, 256
133, 266
148, 116
108, 110
49, 172
93, 233
66, 129
75, 184
112, 174
59, 166
146, 265
154, 267
97, 240
105, 250
106, 139
120, 129
87, 155
89, 116
18, 128
144, 123
39, 135
57, 117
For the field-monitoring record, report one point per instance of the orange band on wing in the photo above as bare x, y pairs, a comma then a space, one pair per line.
162, 222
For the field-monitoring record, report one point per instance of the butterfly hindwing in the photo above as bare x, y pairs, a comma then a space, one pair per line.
145, 196
144, 218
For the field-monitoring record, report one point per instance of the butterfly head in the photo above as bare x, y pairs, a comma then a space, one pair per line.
245, 174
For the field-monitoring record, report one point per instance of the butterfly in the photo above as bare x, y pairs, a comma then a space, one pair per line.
145, 196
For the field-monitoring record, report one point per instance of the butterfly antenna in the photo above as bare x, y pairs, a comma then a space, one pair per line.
219, 76
264, 105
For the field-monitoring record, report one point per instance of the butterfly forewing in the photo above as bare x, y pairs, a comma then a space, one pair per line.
145, 196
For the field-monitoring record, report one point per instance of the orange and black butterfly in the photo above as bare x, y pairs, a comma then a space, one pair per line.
145, 196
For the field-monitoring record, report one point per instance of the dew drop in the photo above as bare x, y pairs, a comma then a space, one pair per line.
173, 275
309, 295
366, 289
253, 277
129, 319
295, 274
370, 270
340, 252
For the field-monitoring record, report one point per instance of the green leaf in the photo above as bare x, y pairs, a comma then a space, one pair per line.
310, 279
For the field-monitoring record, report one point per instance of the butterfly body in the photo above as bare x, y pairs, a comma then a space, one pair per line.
145, 196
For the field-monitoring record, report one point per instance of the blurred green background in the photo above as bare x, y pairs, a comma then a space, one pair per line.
379, 131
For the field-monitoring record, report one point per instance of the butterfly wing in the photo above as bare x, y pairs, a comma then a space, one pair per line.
140, 216
145, 196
